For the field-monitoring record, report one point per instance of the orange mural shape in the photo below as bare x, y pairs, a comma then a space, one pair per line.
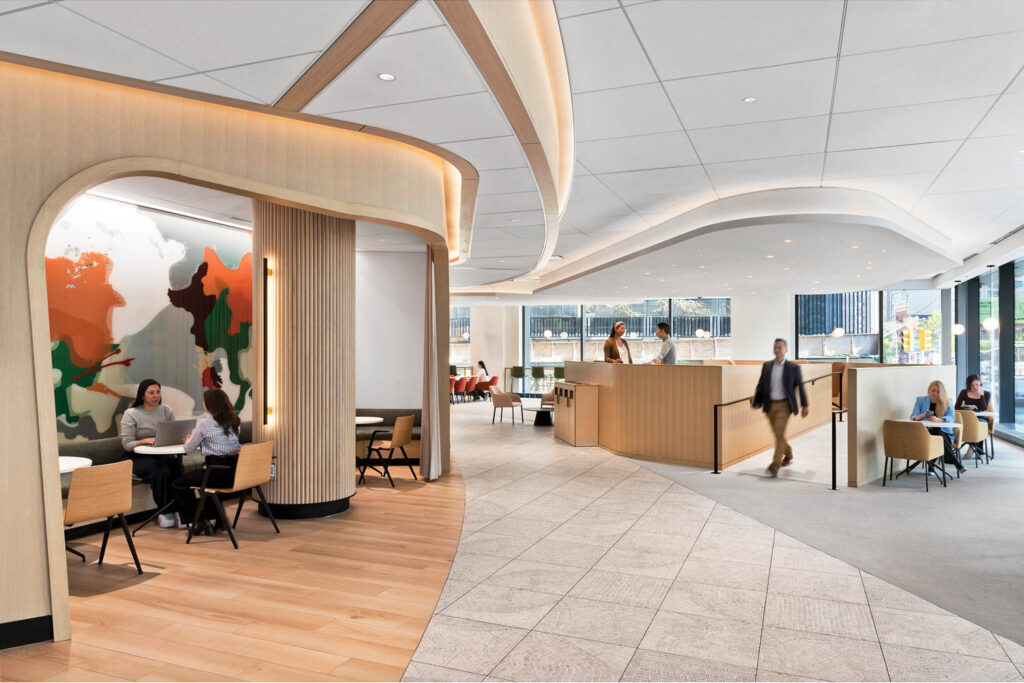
237, 281
81, 301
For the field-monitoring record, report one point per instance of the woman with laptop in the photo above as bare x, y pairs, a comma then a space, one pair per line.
138, 428
216, 435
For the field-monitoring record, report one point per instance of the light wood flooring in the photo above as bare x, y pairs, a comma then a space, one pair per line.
343, 598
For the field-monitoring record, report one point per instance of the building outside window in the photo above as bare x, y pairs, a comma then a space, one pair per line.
551, 334
912, 327
641, 321
458, 336
988, 315
702, 328
838, 325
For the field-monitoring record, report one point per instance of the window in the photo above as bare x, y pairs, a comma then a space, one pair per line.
912, 327
838, 325
551, 334
641, 321
458, 336
988, 315
1018, 345
701, 328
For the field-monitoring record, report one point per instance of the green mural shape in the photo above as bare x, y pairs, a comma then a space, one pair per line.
217, 327
60, 355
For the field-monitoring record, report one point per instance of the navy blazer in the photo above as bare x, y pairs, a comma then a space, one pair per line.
792, 381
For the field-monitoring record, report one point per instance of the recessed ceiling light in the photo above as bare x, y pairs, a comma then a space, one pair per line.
1020, 151
387, 77
768, 256
513, 220
748, 100
787, 241
701, 267
858, 274
749, 276
854, 246
648, 274
785, 268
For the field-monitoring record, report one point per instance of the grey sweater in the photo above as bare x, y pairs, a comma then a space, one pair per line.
139, 423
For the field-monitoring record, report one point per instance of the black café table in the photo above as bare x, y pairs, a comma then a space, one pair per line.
543, 418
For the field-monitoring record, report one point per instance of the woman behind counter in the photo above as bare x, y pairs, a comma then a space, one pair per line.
616, 348
216, 435
138, 428
936, 408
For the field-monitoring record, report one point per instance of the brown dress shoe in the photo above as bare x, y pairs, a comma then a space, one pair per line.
788, 459
773, 470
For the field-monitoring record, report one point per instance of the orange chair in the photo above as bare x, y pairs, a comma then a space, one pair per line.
460, 387
451, 390
471, 386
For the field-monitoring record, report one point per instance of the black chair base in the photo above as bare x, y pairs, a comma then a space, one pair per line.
219, 507
930, 468
385, 465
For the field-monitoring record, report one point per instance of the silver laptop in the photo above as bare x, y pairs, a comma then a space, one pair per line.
173, 433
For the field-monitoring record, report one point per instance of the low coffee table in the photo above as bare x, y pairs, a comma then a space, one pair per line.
543, 417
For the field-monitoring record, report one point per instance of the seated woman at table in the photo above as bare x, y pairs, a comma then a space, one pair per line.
936, 408
138, 428
973, 397
481, 377
216, 435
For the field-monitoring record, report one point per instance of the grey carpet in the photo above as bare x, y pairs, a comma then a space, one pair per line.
961, 547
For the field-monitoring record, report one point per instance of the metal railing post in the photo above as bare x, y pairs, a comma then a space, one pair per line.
716, 438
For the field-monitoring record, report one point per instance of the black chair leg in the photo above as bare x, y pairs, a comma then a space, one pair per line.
387, 468
942, 464
74, 552
195, 518
162, 510
224, 519
266, 506
406, 456
238, 510
106, 535
885, 468
927, 476
493, 411
131, 544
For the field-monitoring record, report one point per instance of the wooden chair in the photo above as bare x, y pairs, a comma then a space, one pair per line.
502, 400
911, 441
401, 435
251, 471
98, 492
973, 434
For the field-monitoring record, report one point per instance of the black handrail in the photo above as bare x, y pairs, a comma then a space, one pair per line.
841, 411
748, 398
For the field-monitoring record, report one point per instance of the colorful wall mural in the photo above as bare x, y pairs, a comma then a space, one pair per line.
135, 293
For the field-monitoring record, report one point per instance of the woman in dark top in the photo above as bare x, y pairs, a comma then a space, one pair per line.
974, 397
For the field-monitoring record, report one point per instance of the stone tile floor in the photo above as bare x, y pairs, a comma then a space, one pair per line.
575, 564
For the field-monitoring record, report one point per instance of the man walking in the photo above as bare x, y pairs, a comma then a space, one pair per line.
776, 395
667, 352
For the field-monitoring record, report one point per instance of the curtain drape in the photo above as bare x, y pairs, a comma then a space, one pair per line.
430, 438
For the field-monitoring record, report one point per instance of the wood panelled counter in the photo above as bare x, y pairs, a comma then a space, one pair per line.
666, 412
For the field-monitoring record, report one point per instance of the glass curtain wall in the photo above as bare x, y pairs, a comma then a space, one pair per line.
551, 334
641, 321
838, 325
458, 337
988, 315
1018, 346
702, 328
912, 327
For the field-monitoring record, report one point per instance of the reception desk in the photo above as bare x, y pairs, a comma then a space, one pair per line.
666, 412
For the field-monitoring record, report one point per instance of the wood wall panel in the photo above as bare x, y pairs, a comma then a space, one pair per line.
311, 353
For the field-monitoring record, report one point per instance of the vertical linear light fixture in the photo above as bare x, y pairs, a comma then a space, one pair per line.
269, 348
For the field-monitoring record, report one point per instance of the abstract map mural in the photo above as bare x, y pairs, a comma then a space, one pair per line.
136, 293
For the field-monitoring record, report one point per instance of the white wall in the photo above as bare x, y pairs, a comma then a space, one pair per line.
494, 337
757, 320
390, 293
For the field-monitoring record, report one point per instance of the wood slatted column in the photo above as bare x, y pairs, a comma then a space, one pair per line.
310, 336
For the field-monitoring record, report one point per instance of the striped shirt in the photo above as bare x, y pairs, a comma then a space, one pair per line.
209, 437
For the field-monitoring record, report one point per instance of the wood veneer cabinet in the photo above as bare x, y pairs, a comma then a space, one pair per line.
576, 413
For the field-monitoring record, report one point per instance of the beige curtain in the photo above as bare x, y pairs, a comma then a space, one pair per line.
430, 440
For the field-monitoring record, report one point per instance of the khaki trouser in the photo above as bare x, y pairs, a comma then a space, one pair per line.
778, 417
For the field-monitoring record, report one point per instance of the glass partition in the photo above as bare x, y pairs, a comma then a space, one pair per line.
912, 327
551, 334
458, 338
988, 315
838, 325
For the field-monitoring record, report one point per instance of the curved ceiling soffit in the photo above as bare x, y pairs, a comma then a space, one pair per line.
836, 205
517, 48
460, 200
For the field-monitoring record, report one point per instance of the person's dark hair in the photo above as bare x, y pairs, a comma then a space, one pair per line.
140, 395
614, 325
780, 339
482, 365
220, 408
970, 381
663, 327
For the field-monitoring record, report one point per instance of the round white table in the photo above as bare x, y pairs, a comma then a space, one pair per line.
367, 420
69, 464
173, 449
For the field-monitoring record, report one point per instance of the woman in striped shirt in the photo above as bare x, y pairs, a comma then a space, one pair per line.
216, 435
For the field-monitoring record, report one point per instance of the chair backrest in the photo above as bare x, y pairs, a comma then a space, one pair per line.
99, 492
547, 399
451, 385
452, 369
492, 382
460, 385
402, 433
518, 371
560, 372
910, 441
973, 430
253, 468
537, 371
471, 383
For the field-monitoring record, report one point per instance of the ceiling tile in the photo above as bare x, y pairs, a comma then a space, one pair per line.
759, 174
637, 152
622, 112
602, 52
203, 83
15, 5
1000, 151
759, 140
266, 81
507, 180
901, 185
567, 244
421, 15
429, 64
709, 36
681, 181
451, 119
53, 33
570, 8
782, 92
1006, 117
671, 205
503, 203
907, 125
508, 219
984, 202
929, 73
883, 24
577, 167
859, 163
590, 197
990, 178
491, 153
474, 277
213, 35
